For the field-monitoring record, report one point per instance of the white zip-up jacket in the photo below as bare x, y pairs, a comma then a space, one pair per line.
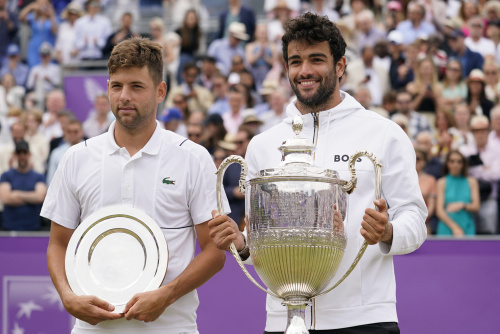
368, 295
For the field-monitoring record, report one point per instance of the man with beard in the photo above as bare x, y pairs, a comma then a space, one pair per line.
338, 126
22, 191
128, 166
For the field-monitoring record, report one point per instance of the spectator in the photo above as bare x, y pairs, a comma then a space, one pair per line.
462, 136
91, 32
277, 112
476, 42
427, 185
41, 17
192, 40
14, 66
401, 71
467, 11
198, 97
415, 26
22, 192
54, 104
196, 118
250, 121
220, 92
356, 7
17, 132
494, 136
268, 87
99, 119
443, 137
39, 145
172, 121
180, 101
208, 72
233, 118
402, 121
123, 33
320, 7
170, 49
492, 81
232, 176
8, 29
364, 72
368, 33
45, 76
236, 13
282, 13
478, 102
224, 49
434, 165
493, 33
425, 89
470, 60
260, 54
453, 88
195, 132
484, 162
11, 95
457, 198
363, 96
63, 118
416, 121
219, 155
73, 134
215, 132
382, 57
65, 50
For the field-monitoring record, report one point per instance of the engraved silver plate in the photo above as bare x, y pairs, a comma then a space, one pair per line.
115, 253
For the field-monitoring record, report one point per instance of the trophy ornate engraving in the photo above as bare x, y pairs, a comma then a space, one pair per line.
296, 217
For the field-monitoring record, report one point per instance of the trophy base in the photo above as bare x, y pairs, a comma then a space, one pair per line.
296, 319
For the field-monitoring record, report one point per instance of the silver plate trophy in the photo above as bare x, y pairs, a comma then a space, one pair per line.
115, 253
296, 215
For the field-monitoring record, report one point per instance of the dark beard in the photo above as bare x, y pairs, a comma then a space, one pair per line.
321, 96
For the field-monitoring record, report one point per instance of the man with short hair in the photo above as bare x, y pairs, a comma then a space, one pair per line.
277, 112
55, 102
368, 33
476, 41
234, 118
46, 74
469, 59
434, 166
484, 165
416, 121
337, 125
415, 26
22, 192
198, 97
125, 167
224, 49
220, 89
14, 66
98, 120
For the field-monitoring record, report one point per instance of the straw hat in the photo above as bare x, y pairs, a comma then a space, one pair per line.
228, 142
72, 8
476, 75
238, 30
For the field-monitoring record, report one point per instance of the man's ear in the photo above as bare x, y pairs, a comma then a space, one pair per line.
341, 66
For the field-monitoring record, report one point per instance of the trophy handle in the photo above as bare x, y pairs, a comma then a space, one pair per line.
220, 175
349, 187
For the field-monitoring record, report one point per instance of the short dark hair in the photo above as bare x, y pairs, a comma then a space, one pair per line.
312, 29
190, 65
138, 52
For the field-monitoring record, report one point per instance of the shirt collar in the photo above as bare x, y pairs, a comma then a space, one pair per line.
152, 147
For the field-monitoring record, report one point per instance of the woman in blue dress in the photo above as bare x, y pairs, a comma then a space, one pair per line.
457, 198
41, 17
260, 55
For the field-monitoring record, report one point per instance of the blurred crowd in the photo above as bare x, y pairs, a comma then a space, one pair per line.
432, 66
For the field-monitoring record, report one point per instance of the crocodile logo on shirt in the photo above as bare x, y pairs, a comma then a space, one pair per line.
167, 181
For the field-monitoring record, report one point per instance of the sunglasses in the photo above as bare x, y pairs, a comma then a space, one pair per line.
239, 142
194, 135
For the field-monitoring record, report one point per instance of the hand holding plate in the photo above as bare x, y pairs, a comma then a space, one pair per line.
90, 309
148, 306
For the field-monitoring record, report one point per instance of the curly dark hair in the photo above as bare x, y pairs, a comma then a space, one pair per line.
313, 29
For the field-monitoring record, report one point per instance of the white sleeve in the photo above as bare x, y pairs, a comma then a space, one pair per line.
61, 204
407, 210
202, 190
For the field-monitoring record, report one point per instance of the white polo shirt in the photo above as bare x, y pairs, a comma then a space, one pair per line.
98, 173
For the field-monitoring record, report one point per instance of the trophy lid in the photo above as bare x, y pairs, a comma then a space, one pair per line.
297, 150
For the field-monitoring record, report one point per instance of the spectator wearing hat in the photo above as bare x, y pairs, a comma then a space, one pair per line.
470, 60
198, 97
45, 76
8, 28
251, 121
14, 66
41, 17
22, 192
484, 165
236, 13
220, 90
415, 25
65, 50
476, 97
400, 72
215, 132
224, 49
172, 121
268, 87
91, 32
282, 12
277, 109
475, 41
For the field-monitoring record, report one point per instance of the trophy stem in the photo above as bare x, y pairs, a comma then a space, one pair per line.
296, 319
